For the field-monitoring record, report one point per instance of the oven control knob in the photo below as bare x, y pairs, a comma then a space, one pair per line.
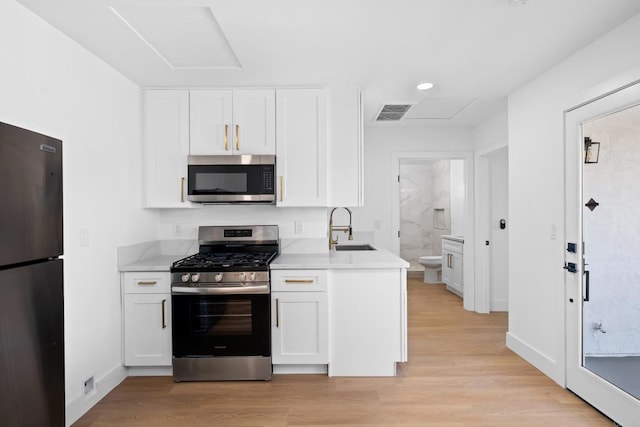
252, 276
195, 277
243, 276
185, 277
217, 277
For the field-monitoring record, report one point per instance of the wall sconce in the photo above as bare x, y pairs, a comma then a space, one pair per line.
591, 151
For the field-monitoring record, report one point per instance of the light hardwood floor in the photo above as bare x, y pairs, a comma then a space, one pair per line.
459, 374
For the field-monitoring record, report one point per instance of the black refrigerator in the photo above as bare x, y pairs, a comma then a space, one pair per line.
32, 390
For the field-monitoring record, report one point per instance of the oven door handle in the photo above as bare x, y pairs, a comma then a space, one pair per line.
220, 290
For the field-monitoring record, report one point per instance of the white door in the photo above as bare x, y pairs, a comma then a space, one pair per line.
301, 125
254, 121
603, 229
211, 122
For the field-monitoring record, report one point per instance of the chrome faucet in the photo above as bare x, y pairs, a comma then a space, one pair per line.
345, 228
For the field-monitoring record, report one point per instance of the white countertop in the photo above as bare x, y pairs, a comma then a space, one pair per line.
159, 255
454, 238
339, 260
157, 263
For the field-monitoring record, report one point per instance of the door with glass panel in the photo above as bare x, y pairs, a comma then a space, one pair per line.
603, 254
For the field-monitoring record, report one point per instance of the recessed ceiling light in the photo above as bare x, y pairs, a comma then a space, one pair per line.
425, 86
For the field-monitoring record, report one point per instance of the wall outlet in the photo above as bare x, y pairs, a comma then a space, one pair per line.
298, 227
377, 224
177, 230
88, 385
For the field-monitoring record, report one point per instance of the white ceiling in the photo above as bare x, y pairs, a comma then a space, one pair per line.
475, 51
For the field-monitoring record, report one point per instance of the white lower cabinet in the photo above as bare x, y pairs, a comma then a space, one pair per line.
299, 335
452, 266
368, 339
147, 319
300, 317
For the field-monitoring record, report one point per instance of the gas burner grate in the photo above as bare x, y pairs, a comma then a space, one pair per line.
225, 260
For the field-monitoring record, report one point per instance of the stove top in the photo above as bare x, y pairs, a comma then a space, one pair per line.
227, 249
225, 261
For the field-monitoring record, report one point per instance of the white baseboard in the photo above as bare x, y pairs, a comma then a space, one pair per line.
499, 305
150, 371
80, 404
300, 369
542, 362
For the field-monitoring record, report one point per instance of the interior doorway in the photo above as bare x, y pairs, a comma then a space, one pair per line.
431, 206
463, 218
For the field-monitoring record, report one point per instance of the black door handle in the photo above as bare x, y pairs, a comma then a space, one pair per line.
586, 287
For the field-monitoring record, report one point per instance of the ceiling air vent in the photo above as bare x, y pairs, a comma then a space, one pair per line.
392, 112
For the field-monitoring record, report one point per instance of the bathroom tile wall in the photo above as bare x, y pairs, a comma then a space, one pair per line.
424, 209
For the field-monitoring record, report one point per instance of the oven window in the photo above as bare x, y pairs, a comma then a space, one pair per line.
221, 325
221, 182
230, 317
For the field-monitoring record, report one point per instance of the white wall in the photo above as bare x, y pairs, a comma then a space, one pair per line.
499, 247
536, 199
379, 144
52, 85
314, 220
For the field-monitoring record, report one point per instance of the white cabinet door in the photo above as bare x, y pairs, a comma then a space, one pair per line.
232, 122
447, 267
301, 147
456, 280
254, 121
452, 266
344, 136
211, 122
300, 328
147, 329
166, 146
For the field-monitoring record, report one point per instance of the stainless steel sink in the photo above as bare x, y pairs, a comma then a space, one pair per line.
347, 247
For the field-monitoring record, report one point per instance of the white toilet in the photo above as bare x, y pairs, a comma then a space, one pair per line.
432, 268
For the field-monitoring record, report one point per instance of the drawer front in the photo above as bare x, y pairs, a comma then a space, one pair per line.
451, 246
299, 280
146, 282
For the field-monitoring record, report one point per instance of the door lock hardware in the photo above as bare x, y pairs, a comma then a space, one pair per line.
572, 248
571, 267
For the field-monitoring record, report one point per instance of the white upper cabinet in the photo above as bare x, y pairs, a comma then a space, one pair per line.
301, 156
345, 165
232, 122
166, 147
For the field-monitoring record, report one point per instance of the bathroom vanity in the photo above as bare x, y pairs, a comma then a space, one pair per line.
452, 277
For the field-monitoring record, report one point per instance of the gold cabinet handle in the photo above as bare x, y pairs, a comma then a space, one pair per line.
298, 281
164, 322
277, 313
281, 186
237, 137
226, 137
147, 282
182, 189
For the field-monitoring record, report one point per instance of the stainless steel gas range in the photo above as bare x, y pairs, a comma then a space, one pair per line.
221, 305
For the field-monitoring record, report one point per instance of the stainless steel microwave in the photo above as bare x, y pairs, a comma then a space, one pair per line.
232, 179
